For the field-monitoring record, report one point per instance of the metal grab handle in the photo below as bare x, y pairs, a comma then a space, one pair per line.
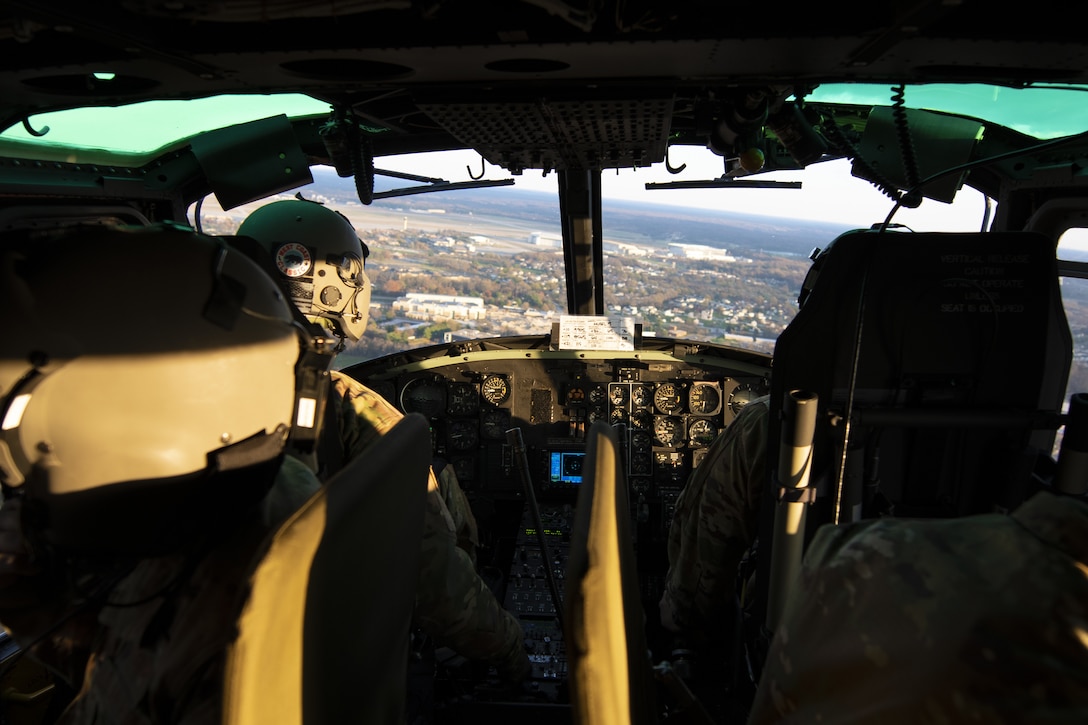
794, 467
13, 695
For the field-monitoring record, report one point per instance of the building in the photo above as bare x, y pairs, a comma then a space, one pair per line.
700, 251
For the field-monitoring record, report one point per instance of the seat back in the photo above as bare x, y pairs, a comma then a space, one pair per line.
949, 352
611, 679
323, 638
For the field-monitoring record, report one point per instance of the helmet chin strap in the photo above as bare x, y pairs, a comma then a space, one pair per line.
329, 327
312, 385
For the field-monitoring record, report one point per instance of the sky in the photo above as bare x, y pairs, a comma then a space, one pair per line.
828, 192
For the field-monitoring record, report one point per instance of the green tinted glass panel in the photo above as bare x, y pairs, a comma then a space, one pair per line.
140, 129
1043, 112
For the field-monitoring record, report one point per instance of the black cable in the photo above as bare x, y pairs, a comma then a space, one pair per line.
196, 215
363, 167
912, 199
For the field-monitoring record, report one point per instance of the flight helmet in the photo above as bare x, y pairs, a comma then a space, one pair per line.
147, 384
318, 260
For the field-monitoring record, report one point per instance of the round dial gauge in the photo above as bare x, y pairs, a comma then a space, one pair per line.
465, 468
576, 396
702, 431
424, 395
642, 419
640, 396
704, 399
617, 416
495, 389
669, 431
640, 440
495, 424
617, 394
741, 397
463, 435
596, 395
667, 398
463, 399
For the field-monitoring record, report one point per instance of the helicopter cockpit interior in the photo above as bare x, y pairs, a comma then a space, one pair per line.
551, 339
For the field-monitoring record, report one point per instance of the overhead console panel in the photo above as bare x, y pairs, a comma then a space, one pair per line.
553, 134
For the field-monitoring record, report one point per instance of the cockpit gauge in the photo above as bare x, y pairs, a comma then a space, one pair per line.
641, 396
596, 395
617, 394
704, 398
742, 396
494, 423
465, 468
463, 399
617, 416
667, 398
640, 440
463, 434
426, 395
576, 396
495, 389
668, 430
702, 432
642, 419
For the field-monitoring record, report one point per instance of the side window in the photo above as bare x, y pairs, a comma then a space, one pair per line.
1073, 265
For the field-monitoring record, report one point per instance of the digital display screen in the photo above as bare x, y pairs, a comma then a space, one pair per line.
566, 466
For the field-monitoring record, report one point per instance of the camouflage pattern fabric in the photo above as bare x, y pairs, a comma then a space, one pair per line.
453, 603
715, 522
150, 649
979, 619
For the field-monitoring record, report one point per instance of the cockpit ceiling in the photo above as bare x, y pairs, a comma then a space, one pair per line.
560, 135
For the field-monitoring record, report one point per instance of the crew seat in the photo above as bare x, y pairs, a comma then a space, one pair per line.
611, 678
938, 361
323, 638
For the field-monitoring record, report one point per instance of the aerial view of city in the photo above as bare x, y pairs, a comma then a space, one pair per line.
462, 265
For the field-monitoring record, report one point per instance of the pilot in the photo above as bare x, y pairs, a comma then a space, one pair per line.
139, 476
714, 524
976, 619
318, 259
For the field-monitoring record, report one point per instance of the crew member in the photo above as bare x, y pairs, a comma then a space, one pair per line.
974, 619
714, 524
319, 261
139, 472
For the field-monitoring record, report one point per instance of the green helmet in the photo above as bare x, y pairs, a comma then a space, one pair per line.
147, 382
319, 259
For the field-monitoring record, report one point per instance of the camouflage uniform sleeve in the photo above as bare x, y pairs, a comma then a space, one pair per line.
456, 606
453, 604
714, 524
976, 619
464, 522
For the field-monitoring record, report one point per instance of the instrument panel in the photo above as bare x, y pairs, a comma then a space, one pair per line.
668, 403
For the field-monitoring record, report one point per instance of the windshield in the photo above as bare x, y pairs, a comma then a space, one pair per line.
718, 265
